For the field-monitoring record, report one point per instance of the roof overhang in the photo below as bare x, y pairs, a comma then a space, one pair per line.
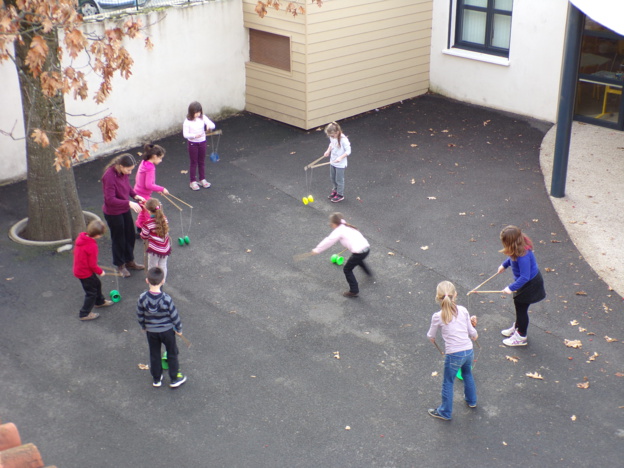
609, 13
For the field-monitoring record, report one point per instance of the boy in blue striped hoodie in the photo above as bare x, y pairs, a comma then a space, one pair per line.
158, 317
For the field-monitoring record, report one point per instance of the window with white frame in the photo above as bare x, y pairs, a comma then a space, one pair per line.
483, 26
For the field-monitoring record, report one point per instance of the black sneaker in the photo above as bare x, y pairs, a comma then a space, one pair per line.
157, 382
337, 198
332, 195
179, 380
434, 413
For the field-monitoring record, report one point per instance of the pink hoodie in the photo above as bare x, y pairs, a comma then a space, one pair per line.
146, 180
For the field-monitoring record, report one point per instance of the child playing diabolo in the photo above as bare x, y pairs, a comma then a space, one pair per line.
146, 178
457, 329
87, 270
155, 231
353, 241
158, 317
528, 285
338, 150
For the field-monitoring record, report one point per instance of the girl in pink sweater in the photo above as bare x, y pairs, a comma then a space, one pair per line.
352, 240
146, 178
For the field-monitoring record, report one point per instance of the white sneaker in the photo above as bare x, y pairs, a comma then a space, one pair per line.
509, 331
204, 183
515, 340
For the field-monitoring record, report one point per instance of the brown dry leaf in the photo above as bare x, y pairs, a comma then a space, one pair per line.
574, 322
412, 131
413, 181
486, 122
591, 333
337, 354
581, 329
143, 366
413, 145
583, 385
434, 374
424, 247
548, 270
581, 293
593, 356
40, 137
535, 220
392, 254
573, 343
609, 339
248, 250
462, 214
513, 359
451, 145
619, 374
573, 418
183, 172
534, 375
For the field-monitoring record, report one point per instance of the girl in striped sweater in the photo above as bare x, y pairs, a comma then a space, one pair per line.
155, 233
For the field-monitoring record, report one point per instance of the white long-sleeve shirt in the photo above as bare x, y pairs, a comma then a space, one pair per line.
351, 239
338, 149
191, 128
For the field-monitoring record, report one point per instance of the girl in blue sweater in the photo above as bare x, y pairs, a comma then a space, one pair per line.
528, 285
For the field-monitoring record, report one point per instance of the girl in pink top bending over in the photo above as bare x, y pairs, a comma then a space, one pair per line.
352, 240
146, 179
457, 329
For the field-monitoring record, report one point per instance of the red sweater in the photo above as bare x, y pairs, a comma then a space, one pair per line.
86, 257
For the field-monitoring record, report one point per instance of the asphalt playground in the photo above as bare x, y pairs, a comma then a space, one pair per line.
284, 371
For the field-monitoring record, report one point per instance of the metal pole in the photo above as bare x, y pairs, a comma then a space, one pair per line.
567, 93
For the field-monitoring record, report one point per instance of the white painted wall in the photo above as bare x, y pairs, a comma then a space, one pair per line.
528, 84
199, 54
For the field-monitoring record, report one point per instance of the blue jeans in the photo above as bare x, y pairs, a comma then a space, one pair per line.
453, 362
337, 176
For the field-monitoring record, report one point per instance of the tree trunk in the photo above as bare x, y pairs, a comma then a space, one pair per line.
54, 210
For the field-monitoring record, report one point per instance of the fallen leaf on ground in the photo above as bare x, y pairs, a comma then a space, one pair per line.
573, 343
534, 375
10, 279
337, 354
433, 374
412, 131
609, 339
413, 181
593, 356
619, 374
513, 359
504, 443
581, 293
486, 122
535, 220
431, 198
573, 418
413, 145
581, 329
548, 270
143, 366
574, 322
391, 253
424, 247
583, 385
293, 152
462, 214
183, 172
347, 428
248, 250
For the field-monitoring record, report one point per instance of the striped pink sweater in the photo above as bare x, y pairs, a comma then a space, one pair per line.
156, 245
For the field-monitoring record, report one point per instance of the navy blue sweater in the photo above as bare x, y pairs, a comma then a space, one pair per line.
157, 313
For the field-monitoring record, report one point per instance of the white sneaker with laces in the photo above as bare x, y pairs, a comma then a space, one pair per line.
509, 331
515, 340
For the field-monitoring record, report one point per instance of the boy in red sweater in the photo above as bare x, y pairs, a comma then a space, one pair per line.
87, 270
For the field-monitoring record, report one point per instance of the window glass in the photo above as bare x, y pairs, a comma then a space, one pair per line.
269, 49
503, 5
501, 31
474, 26
478, 3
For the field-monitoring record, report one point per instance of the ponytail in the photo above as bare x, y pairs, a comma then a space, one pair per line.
154, 207
338, 218
124, 160
150, 150
445, 296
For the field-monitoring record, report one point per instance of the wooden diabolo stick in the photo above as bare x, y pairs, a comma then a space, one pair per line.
179, 199
172, 202
436, 345
305, 168
475, 289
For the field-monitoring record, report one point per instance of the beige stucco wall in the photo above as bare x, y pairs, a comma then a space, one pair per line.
348, 57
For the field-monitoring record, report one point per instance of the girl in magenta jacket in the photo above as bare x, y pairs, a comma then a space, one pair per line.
146, 178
